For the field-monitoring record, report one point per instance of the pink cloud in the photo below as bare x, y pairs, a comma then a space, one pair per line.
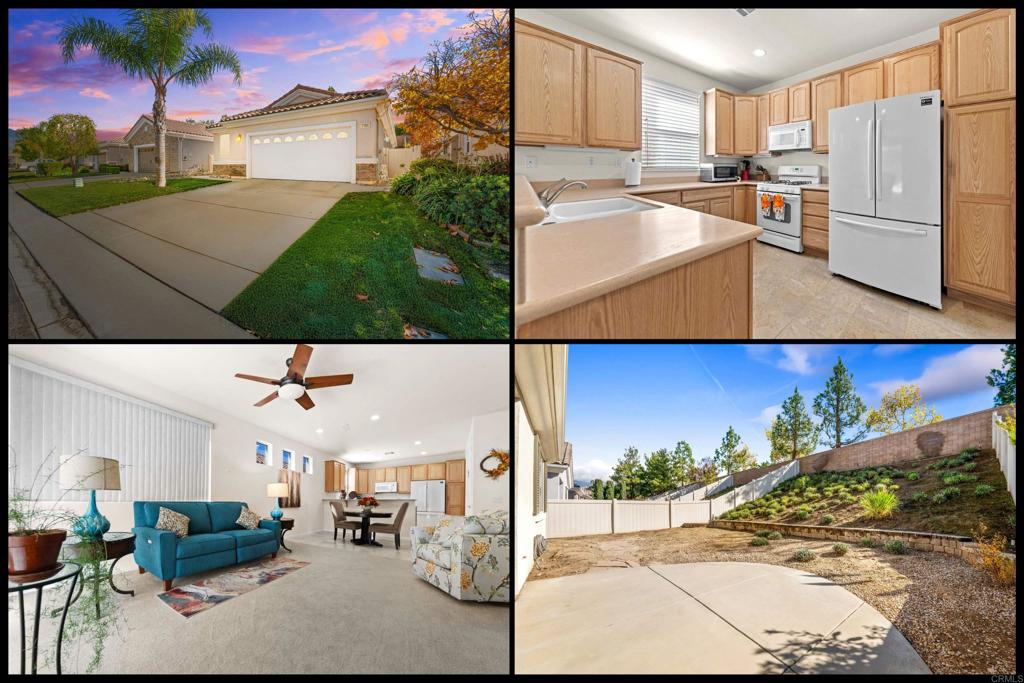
373, 39
103, 134
18, 122
432, 20
399, 33
38, 28
406, 15
348, 17
266, 45
193, 114
212, 92
94, 92
381, 78
38, 66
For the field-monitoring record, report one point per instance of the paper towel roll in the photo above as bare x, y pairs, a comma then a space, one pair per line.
632, 172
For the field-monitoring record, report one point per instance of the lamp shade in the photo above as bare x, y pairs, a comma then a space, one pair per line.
291, 391
90, 473
277, 490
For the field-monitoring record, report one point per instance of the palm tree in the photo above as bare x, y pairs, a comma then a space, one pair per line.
154, 44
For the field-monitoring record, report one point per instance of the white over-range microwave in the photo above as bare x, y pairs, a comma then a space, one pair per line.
789, 136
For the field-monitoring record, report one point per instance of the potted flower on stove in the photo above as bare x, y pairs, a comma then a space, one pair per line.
368, 503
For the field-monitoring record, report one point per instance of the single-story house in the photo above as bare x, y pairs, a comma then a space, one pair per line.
307, 134
188, 146
460, 149
116, 152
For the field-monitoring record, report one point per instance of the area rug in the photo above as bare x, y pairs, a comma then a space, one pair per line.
202, 595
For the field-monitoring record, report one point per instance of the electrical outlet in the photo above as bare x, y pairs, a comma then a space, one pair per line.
590, 161
531, 162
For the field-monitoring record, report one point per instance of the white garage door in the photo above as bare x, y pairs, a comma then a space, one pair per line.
304, 154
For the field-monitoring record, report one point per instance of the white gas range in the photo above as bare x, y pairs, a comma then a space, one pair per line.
781, 222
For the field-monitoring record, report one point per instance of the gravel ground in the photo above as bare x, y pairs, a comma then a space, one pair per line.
950, 612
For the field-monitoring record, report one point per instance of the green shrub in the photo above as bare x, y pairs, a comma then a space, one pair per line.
879, 503
435, 197
880, 487
898, 474
913, 476
861, 488
945, 494
868, 542
969, 466
896, 547
958, 478
83, 170
885, 481
490, 165
773, 536
801, 482
802, 555
871, 474
840, 549
919, 497
983, 489
482, 203
404, 184
828, 519
49, 168
762, 533
803, 514
110, 168
419, 166
848, 498
758, 541
894, 487
784, 500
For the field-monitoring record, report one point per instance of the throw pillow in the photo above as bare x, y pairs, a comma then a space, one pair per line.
169, 520
248, 519
443, 533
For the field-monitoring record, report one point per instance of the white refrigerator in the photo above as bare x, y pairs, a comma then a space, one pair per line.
885, 195
429, 497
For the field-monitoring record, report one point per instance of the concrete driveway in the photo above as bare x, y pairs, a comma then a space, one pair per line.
212, 242
704, 618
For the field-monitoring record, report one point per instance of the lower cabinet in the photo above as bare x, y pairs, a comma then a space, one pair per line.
814, 218
455, 498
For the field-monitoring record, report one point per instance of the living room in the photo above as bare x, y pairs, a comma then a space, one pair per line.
167, 514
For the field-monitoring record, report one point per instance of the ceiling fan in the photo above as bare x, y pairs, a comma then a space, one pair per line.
295, 384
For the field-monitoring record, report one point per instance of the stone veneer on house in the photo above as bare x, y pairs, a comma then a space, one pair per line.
229, 169
366, 173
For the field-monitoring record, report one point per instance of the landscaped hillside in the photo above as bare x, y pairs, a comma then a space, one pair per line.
944, 495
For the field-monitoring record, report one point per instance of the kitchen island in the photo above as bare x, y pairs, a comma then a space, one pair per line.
669, 272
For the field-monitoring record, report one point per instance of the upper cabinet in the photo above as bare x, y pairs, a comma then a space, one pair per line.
863, 83
762, 124
613, 100
826, 93
800, 102
719, 116
745, 115
569, 92
549, 87
912, 71
778, 107
979, 57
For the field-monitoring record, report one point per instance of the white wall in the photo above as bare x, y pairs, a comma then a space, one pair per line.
488, 432
527, 525
585, 163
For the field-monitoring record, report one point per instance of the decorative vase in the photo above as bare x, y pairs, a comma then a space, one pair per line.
35, 552
367, 510
277, 512
91, 525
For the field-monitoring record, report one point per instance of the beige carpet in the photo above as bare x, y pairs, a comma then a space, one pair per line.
352, 610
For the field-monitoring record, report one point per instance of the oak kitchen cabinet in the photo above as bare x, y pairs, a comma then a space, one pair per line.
800, 102
334, 476
762, 124
569, 92
435, 470
390, 474
863, 83
778, 107
814, 216
979, 55
405, 479
718, 122
826, 93
744, 197
912, 71
363, 481
717, 201
745, 128
419, 472
455, 498
455, 470
663, 197
377, 475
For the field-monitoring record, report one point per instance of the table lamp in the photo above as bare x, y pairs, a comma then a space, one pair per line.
277, 491
90, 473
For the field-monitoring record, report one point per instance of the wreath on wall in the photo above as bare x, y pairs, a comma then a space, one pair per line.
499, 469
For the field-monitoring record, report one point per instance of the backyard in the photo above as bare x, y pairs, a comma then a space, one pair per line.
957, 620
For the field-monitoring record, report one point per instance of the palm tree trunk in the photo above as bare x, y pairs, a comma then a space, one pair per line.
160, 123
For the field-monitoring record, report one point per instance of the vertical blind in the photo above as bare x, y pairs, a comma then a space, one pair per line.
671, 127
163, 455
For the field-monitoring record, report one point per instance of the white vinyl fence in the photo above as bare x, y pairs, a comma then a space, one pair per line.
754, 489
1007, 454
590, 517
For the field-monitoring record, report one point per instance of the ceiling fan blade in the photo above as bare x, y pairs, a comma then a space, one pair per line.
305, 401
254, 378
267, 400
327, 381
300, 359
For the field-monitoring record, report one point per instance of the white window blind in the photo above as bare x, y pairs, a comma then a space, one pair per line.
164, 455
671, 127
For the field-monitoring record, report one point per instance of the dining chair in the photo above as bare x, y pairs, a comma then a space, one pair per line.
340, 521
393, 527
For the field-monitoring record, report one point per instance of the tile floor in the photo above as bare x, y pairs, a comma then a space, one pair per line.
795, 296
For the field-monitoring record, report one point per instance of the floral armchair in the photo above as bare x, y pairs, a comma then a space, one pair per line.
467, 557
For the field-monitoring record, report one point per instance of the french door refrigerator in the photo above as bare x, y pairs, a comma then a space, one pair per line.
885, 195
429, 497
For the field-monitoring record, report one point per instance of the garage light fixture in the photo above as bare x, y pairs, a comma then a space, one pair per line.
238, 137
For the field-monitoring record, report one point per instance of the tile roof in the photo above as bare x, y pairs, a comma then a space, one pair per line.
114, 141
333, 99
175, 126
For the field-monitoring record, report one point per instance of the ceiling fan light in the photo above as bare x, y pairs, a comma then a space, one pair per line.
291, 391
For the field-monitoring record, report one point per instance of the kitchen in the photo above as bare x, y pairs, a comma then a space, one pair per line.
765, 173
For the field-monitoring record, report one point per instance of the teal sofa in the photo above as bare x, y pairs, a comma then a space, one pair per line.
214, 539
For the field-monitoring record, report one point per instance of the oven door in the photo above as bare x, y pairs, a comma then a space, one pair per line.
788, 222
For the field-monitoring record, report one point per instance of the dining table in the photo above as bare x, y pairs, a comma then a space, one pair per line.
364, 528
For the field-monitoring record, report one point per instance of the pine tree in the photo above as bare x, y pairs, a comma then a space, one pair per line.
840, 409
628, 473
597, 489
609, 490
681, 465
657, 474
730, 457
1005, 380
792, 434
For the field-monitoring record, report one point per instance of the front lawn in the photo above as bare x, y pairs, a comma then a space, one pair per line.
61, 200
353, 276
26, 176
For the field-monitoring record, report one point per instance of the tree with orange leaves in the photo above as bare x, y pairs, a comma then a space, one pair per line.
461, 86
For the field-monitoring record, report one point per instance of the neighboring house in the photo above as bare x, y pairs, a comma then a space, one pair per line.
188, 147
559, 473
116, 152
540, 380
581, 493
308, 134
459, 148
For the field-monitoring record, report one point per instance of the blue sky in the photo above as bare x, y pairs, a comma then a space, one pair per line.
652, 395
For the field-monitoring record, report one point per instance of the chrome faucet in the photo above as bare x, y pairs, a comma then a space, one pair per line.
550, 193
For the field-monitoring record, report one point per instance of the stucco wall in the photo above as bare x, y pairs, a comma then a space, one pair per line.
195, 155
116, 155
527, 524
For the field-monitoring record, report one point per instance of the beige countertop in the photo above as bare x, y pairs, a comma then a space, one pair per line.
528, 208
569, 263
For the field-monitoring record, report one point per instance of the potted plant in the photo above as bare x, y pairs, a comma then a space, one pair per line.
368, 503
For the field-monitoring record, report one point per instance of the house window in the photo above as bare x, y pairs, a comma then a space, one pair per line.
671, 127
286, 460
264, 453
307, 465
277, 139
266, 141
225, 145
327, 136
342, 134
255, 141
287, 138
300, 138
313, 136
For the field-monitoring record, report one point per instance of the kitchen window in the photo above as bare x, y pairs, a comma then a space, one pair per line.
671, 127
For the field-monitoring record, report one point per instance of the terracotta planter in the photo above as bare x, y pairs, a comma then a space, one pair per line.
33, 553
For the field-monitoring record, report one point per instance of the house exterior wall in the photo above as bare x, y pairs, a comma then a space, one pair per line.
528, 525
116, 155
195, 155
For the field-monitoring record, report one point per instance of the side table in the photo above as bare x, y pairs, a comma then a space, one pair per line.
116, 544
68, 570
287, 524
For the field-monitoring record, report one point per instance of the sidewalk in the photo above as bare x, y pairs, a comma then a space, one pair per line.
113, 298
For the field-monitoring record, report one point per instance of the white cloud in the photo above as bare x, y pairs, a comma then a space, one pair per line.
767, 415
802, 358
887, 350
592, 469
954, 374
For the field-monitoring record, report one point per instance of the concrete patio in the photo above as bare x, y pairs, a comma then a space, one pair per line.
704, 618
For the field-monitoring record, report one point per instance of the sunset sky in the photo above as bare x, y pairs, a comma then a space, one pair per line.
350, 49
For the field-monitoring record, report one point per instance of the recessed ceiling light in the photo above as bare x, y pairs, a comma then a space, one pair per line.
759, 52
319, 430
416, 443
375, 417
423, 452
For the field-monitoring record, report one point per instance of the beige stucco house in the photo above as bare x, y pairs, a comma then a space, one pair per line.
188, 146
116, 152
307, 134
